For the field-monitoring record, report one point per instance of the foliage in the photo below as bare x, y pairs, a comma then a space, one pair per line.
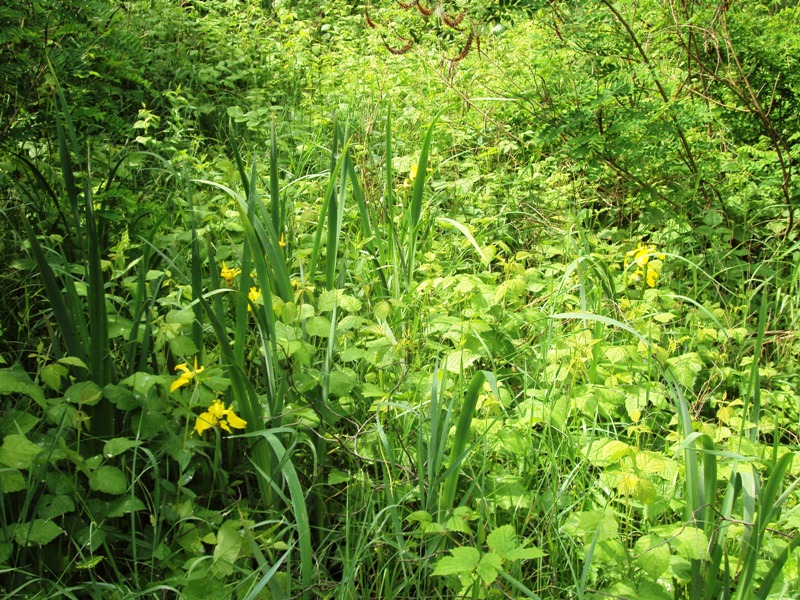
288, 314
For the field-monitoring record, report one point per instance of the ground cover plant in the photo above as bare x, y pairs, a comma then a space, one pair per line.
399, 300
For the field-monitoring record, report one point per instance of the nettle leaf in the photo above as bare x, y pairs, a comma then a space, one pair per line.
589, 524
463, 560
689, 542
502, 540
11, 480
117, 446
38, 532
52, 375
51, 507
489, 566
18, 452
109, 480
651, 555
85, 393
318, 327
124, 505
229, 544
603, 453
460, 360
686, 367
17, 421
15, 380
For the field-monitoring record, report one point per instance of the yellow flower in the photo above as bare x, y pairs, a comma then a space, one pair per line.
186, 376
228, 274
218, 416
652, 276
255, 296
282, 242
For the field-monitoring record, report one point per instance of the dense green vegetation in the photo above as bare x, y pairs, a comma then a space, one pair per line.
464, 300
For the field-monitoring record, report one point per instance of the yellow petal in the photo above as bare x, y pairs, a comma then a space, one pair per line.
224, 425
235, 421
185, 378
203, 422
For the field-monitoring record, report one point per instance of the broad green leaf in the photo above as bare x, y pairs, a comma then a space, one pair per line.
11, 480
419, 516
229, 544
73, 361
51, 506
318, 327
117, 446
463, 560
84, 393
489, 566
502, 540
686, 367
460, 360
341, 383
18, 452
53, 375
14, 380
38, 532
17, 421
603, 453
651, 555
109, 480
589, 524
528, 553
124, 505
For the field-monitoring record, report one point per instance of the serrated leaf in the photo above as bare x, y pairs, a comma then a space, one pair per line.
349, 303
109, 480
502, 540
327, 300
117, 446
489, 566
686, 367
11, 480
84, 393
318, 327
53, 375
72, 361
460, 360
341, 383
17, 421
124, 505
603, 453
463, 560
15, 380
419, 516
592, 523
51, 506
651, 554
229, 544
18, 452
689, 542
39, 532
528, 553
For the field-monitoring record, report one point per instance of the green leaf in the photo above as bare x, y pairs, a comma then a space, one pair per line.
72, 361
686, 367
341, 383
109, 480
14, 380
117, 446
18, 421
182, 345
124, 505
51, 507
18, 452
229, 544
11, 480
318, 327
651, 555
502, 540
489, 566
84, 393
53, 375
463, 560
592, 523
603, 453
38, 532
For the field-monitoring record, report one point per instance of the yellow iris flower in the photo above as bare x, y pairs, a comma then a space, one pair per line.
218, 416
228, 274
647, 269
254, 295
186, 375
282, 242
